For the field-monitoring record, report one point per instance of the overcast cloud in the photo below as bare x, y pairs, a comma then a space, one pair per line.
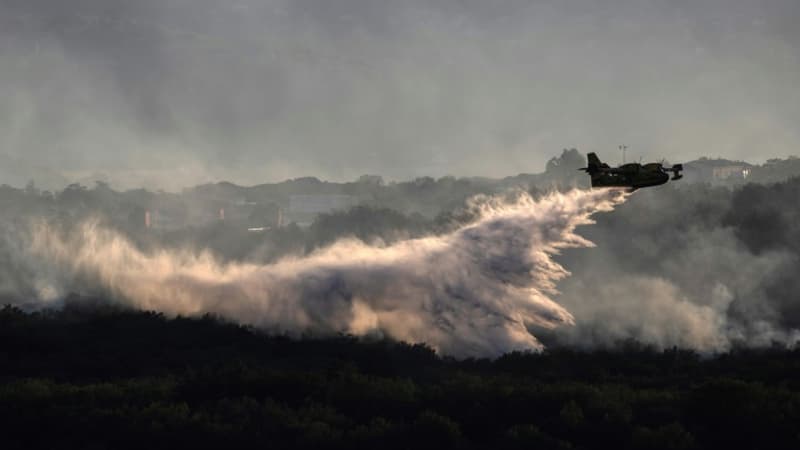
169, 93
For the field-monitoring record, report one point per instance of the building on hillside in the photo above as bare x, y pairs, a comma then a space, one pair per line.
716, 171
733, 172
265, 217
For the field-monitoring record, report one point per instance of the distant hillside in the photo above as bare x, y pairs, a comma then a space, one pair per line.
729, 172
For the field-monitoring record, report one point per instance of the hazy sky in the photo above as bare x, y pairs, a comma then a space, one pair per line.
168, 93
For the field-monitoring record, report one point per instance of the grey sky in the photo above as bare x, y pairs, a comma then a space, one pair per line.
167, 93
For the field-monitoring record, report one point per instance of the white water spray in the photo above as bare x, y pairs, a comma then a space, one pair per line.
472, 292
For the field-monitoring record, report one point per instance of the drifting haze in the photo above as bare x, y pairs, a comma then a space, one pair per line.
169, 93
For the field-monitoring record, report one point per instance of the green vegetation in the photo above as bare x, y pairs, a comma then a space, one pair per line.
93, 376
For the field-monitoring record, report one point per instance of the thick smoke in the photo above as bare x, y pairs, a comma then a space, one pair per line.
689, 266
473, 292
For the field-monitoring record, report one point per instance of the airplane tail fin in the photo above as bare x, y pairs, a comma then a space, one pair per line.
594, 164
593, 159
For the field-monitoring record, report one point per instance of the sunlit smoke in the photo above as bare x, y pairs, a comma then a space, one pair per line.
472, 292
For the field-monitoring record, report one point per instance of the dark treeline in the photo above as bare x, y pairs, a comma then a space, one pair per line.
102, 377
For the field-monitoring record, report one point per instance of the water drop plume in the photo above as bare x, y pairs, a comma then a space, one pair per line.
474, 291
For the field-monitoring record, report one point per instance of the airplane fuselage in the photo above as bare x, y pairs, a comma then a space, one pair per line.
632, 175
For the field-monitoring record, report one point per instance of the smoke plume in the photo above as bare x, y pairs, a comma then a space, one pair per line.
472, 292
690, 266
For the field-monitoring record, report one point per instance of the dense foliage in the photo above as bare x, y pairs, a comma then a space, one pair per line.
103, 377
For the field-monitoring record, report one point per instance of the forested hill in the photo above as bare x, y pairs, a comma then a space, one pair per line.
94, 376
